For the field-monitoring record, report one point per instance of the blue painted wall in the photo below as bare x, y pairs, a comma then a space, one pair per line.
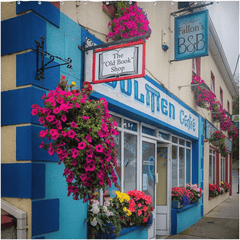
54, 215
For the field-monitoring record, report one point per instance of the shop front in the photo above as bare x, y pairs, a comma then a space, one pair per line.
158, 144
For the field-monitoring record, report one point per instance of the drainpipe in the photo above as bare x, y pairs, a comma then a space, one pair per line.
21, 218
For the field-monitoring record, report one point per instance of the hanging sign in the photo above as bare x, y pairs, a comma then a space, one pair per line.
119, 62
191, 35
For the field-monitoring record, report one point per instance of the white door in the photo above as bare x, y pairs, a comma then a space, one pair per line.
149, 150
163, 196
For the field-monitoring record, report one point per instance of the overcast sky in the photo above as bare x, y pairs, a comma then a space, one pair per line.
225, 17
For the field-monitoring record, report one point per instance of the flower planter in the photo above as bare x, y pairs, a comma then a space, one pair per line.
215, 119
176, 205
216, 143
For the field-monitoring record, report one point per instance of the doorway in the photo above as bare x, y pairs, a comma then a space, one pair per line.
163, 190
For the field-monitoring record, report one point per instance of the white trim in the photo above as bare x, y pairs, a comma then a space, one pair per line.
21, 218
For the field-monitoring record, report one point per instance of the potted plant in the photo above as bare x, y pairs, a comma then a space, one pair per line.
226, 186
103, 221
195, 190
80, 131
129, 21
181, 196
217, 139
214, 190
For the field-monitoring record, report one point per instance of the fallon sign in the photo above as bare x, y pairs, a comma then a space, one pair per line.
191, 35
119, 62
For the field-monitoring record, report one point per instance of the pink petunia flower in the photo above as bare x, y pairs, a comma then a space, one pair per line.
81, 145
63, 118
89, 138
71, 134
41, 120
73, 124
99, 148
50, 118
85, 118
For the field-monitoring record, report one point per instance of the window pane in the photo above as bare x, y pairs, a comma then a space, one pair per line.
148, 131
163, 135
130, 125
188, 144
118, 120
181, 167
174, 166
148, 169
210, 169
181, 142
188, 166
110, 192
130, 162
174, 140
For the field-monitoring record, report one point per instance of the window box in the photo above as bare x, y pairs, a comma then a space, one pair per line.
134, 232
185, 217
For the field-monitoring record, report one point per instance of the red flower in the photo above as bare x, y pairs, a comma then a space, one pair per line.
63, 77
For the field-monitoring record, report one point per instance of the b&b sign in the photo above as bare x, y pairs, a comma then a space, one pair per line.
119, 62
191, 35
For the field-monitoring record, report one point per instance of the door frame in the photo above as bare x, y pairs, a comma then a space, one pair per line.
149, 140
169, 183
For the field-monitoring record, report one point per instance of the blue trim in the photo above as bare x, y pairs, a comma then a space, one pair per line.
128, 229
16, 105
186, 207
173, 222
46, 10
23, 180
202, 210
45, 216
156, 84
27, 145
20, 33
200, 53
26, 75
42, 237
127, 111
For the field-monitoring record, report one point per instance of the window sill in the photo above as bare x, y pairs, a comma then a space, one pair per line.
186, 207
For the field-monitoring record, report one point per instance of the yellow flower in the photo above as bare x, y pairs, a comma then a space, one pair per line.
125, 209
129, 213
73, 83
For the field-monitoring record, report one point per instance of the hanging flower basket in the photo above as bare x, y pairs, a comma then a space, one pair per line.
81, 131
129, 21
216, 143
216, 117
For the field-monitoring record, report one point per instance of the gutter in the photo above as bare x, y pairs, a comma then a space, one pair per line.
21, 218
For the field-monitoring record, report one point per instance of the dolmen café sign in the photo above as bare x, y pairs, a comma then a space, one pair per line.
191, 35
119, 62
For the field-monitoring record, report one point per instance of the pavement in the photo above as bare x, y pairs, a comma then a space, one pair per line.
220, 223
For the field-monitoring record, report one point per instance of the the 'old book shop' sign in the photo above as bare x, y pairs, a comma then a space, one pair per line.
119, 62
191, 35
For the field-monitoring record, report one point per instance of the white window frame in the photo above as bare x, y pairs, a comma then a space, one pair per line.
213, 153
194, 67
223, 175
185, 147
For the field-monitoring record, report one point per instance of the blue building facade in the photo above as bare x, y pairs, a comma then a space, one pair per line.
35, 175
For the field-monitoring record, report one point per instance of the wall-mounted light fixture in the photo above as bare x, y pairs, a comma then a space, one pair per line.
165, 46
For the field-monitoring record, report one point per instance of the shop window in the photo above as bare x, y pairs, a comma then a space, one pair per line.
117, 120
181, 142
222, 169
174, 140
212, 166
212, 82
221, 96
188, 144
130, 125
130, 162
148, 131
181, 162
163, 135
126, 169
196, 66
